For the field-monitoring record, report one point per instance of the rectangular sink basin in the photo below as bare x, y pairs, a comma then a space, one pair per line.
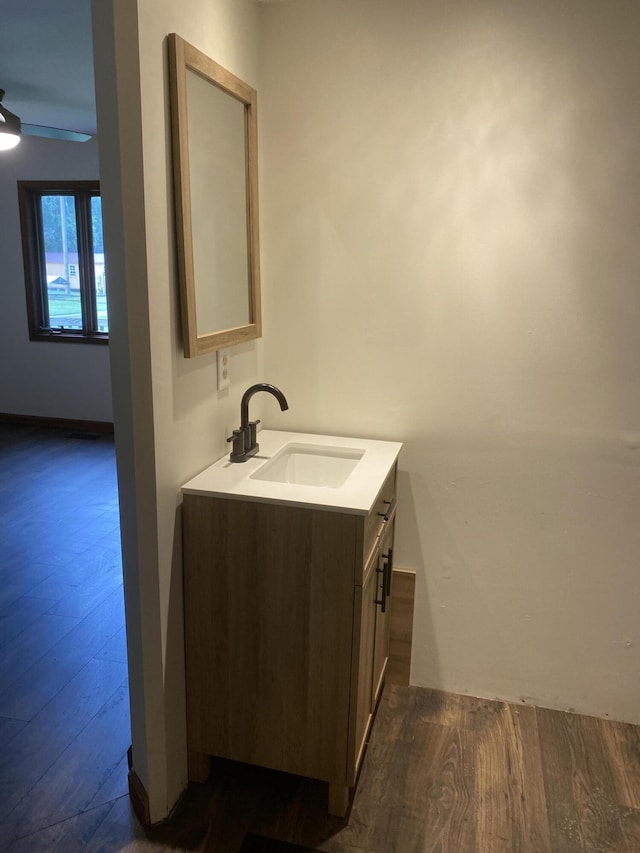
310, 465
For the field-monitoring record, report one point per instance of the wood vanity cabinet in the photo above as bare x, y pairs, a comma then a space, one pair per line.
286, 638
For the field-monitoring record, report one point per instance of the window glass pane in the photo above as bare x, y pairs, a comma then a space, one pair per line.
61, 261
64, 260
98, 264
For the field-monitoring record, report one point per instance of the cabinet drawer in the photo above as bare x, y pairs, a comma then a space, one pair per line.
380, 516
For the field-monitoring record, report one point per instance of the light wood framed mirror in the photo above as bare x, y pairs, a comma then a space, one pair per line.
215, 169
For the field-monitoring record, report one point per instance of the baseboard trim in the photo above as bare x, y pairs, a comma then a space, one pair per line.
138, 794
139, 798
102, 427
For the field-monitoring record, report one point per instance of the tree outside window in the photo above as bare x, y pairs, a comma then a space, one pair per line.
64, 260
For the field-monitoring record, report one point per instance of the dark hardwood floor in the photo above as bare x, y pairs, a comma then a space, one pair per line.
64, 712
442, 773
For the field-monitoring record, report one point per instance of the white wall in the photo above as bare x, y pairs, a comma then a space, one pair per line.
450, 255
52, 380
170, 420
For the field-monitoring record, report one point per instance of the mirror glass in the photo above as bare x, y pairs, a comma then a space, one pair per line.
218, 207
215, 179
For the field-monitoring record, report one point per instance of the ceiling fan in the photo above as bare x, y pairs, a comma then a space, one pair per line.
11, 128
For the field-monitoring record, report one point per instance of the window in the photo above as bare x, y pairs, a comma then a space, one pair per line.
64, 260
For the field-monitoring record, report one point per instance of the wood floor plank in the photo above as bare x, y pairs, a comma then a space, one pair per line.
439, 786
19, 616
75, 777
67, 836
19, 575
121, 831
54, 587
116, 648
452, 709
41, 742
238, 799
75, 513
510, 796
215, 815
525, 754
294, 810
623, 745
403, 767
18, 655
99, 562
80, 601
580, 790
630, 822
9, 729
55, 547
115, 786
27, 695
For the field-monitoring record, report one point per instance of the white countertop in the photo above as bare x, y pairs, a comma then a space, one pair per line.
357, 494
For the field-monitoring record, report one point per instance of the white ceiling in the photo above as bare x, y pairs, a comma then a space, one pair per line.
46, 62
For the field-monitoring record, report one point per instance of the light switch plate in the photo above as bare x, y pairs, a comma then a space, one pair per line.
223, 357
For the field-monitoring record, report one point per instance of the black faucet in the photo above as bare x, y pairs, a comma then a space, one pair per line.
244, 439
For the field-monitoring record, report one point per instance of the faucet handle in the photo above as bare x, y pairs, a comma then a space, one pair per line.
252, 436
238, 444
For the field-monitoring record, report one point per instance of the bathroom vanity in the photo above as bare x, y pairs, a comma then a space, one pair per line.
288, 560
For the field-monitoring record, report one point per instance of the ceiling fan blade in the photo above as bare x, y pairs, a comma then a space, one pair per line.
54, 133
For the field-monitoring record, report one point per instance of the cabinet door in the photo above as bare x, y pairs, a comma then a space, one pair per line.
373, 647
384, 568
269, 608
365, 667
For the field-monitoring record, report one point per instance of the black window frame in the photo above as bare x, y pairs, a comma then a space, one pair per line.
29, 195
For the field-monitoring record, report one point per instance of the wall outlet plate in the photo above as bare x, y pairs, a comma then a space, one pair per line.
223, 357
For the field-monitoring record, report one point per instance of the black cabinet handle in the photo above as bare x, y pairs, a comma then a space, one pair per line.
383, 587
388, 569
389, 512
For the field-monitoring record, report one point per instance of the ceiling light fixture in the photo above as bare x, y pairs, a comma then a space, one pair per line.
10, 127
